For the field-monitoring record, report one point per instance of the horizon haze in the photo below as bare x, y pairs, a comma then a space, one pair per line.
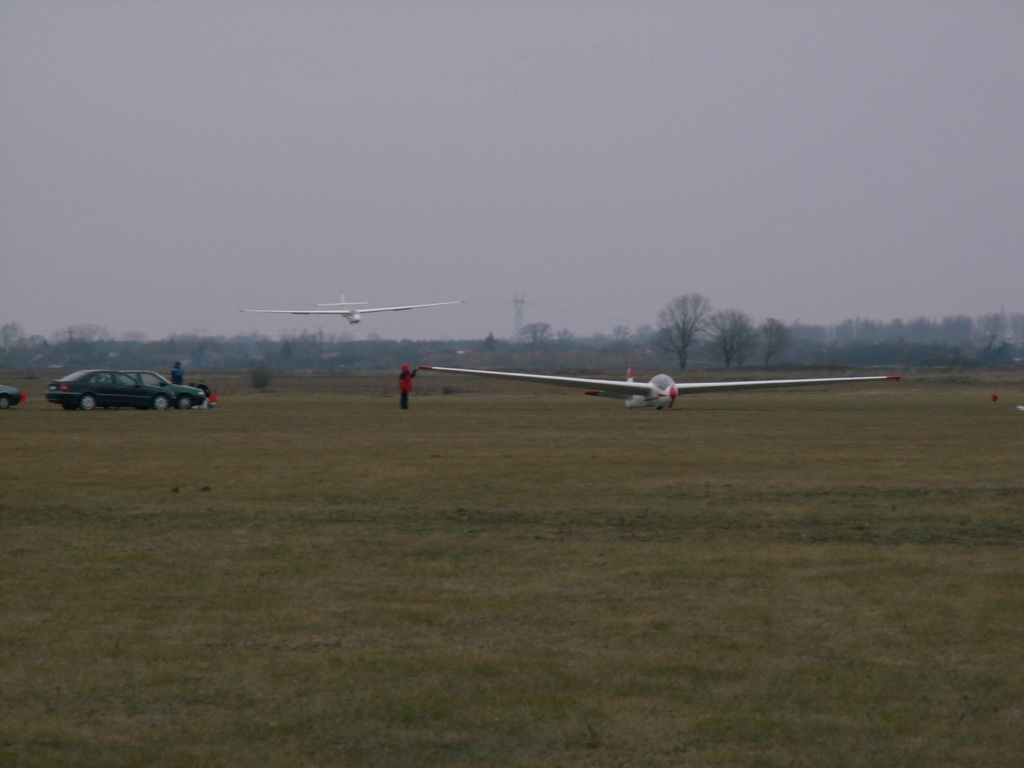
165, 165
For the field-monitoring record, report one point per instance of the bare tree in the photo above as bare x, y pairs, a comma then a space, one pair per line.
535, 334
776, 338
992, 328
733, 335
681, 324
957, 329
10, 334
1017, 329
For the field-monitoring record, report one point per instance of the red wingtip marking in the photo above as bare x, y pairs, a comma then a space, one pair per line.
894, 378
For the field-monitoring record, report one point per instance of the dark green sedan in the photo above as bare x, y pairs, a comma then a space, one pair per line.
184, 397
90, 389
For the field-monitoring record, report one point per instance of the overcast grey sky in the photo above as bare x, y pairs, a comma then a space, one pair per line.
165, 164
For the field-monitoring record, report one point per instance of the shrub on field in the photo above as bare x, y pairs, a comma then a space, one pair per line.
259, 375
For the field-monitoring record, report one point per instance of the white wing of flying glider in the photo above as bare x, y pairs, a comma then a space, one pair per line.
353, 315
347, 312
410, 306
659, 392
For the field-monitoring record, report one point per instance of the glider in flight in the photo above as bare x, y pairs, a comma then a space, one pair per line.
352, 315
660, 392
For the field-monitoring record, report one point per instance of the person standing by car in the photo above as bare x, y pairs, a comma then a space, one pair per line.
177, 374
405, 385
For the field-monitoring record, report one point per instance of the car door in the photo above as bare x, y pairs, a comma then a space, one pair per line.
129, 391
151, 379
107, 392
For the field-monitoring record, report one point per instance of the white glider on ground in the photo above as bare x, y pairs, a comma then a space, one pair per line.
352, 315
660, 392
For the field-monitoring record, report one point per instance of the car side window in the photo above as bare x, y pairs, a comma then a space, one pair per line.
124, 380
101, 378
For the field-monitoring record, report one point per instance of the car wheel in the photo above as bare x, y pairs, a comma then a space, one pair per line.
5, 402
160, 403
87, 402
184, 402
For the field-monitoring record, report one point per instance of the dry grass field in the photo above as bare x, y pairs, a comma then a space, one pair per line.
509, 575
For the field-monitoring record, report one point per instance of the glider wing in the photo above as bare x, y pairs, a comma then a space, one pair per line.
305, 311
410, 306
594, 386
718, 386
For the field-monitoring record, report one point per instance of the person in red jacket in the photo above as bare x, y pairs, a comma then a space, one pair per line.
405, 384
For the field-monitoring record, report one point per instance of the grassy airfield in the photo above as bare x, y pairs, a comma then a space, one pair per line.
512, 575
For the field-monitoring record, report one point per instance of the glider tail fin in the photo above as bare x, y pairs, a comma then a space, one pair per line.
344, 303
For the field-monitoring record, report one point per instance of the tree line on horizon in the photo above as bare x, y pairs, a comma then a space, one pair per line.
689, 332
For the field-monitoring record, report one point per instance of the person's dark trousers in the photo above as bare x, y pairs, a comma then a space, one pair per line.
405, 401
